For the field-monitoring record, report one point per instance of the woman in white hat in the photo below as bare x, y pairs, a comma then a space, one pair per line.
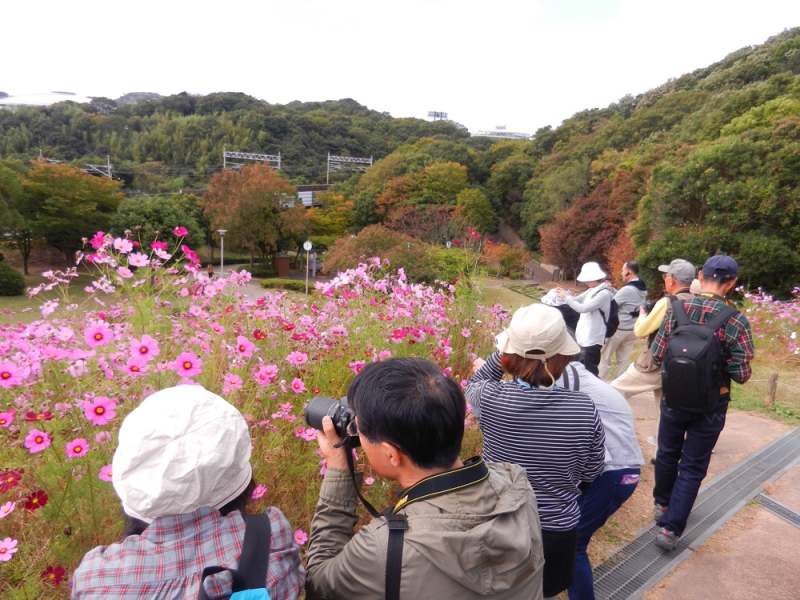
182, 471
594, 305
554, 433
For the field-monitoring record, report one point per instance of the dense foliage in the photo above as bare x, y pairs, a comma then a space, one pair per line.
12, 283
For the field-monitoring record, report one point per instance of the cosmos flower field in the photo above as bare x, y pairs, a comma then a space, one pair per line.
68, 379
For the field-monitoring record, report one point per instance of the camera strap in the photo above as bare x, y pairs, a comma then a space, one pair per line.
471, 473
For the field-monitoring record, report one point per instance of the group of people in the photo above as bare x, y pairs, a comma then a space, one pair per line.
560, 455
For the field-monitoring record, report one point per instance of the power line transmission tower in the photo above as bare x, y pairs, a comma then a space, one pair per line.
336, 163
267, 158
437, 115
105, 170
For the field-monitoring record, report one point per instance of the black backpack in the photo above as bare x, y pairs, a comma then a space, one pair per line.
693, 366
612, 322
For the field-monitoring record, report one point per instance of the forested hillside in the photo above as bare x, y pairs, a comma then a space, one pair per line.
708, 162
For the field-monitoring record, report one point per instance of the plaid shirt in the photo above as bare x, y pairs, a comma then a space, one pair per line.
165, 562
737, 341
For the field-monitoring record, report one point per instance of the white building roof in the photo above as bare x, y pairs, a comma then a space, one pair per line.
43, 99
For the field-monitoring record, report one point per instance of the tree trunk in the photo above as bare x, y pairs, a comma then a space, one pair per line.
25, 256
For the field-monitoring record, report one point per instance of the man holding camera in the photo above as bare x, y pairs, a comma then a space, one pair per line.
458, 530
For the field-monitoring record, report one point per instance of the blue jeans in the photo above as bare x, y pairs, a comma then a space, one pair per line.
685, 442
601, 499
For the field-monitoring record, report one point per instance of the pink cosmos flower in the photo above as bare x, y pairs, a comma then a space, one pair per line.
146, 347
137, 259
297, 358
309, 434
36, 441
77, 448
6, 418
105, 473
7, 509
137, 365
298, 386
100, 411
65, 334
187, 364
232, 380
217, 328
10, 374
190, 254
122, 246
102, 437
266, 374
384, 354
180, 232
356, 366
465, 332
369, 480
98, 334
124, 272
9, 546
244, 346
159, 245
300, 537
259, 491
162, 254
98, 240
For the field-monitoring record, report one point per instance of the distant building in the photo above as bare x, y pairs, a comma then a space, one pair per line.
308, 193
14, 103
499, 132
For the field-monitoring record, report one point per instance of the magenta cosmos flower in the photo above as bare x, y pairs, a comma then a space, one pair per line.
265, 375
100, 410
297, 358
232, 380
180, 232
105, 473
136, 365
187, 364
6, 418
298, 386
36, 441
10, 374
7, 549
146, 347
244, 346
259, 491
98, 334
77, 448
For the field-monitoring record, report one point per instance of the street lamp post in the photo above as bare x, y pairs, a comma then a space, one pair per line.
222, 233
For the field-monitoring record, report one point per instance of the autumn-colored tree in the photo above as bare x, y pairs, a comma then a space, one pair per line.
257, 208
504, 259
333, 217
63, 204
583, 232
432, 224
620, 252
477, 210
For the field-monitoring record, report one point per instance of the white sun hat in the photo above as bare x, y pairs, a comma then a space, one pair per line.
537, 331
591, 271
181, 449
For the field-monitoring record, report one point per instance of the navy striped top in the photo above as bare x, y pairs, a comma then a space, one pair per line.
555, 435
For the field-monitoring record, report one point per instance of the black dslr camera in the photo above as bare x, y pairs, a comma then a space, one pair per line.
340, 413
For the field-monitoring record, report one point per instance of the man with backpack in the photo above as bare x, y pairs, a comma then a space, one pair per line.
702, 345
594, 306
629, 298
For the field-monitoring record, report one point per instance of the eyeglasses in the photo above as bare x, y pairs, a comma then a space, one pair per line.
352, 429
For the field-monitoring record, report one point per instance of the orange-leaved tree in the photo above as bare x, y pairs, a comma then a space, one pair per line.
258, 209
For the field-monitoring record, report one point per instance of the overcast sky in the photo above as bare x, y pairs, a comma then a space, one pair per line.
519, 63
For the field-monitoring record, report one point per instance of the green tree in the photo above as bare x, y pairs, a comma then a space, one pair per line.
154, 217
477, 211
16, 220
69, 205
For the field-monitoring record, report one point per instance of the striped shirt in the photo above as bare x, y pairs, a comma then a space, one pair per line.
555, 435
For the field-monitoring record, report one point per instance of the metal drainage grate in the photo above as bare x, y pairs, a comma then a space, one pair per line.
776, 508
639, 565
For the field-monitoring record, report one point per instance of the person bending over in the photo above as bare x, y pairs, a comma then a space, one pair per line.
479, 538
182, 470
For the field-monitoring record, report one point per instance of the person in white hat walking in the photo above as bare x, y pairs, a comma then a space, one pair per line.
182, 471
594, 305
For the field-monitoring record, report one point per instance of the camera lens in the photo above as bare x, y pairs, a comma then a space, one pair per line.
320, 407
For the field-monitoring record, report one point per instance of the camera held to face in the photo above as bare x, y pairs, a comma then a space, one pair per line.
340, 413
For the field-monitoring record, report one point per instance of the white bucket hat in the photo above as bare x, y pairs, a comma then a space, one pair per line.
181, 449
591, 271
537, 331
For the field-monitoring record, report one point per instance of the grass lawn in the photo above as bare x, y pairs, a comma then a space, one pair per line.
12, 307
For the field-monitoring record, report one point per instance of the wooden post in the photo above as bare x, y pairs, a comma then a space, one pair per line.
772, 385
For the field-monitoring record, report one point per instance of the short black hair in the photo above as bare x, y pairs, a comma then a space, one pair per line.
411, 404
632, 266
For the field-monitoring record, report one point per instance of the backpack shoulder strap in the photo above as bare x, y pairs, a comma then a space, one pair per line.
721, 318
679, 310
254, 559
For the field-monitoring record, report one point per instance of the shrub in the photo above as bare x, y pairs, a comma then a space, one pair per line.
12, 283
286, 284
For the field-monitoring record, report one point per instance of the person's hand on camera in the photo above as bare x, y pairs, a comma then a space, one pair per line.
561, 293
477, 364
327, 439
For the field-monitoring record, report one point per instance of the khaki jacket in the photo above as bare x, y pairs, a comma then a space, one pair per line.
480, 542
